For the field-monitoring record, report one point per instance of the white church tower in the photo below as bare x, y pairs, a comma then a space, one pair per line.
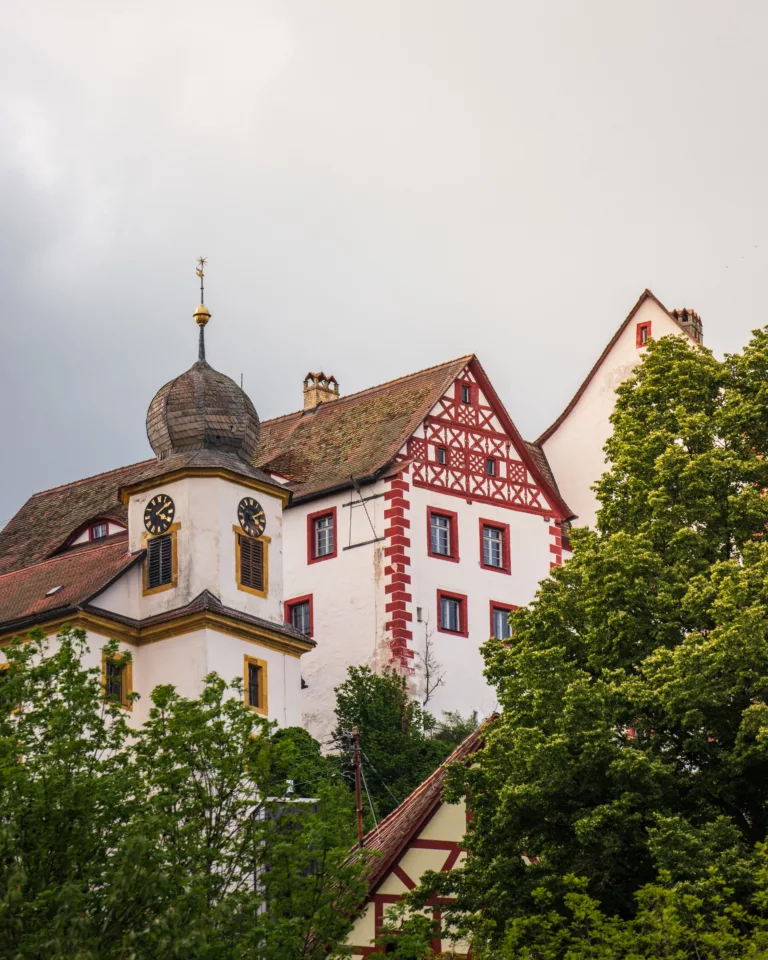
179, 560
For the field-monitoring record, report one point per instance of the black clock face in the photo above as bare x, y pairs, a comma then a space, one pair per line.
159, 513
251, 516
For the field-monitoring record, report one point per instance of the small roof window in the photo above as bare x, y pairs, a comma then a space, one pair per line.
50, 593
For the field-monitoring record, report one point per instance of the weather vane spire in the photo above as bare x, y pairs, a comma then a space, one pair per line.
202, 314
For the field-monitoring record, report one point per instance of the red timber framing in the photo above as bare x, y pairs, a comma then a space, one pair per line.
402, 831
397, 577
471, 434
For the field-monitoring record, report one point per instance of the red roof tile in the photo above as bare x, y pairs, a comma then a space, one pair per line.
354, 436
47, 519
80, 573
392, 836
317, 450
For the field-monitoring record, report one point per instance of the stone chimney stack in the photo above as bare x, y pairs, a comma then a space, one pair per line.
319, 389
690, 321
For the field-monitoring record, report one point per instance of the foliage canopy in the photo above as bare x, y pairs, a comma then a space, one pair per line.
174, 839
630, 763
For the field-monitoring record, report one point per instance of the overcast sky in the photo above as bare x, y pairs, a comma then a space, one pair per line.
379, 186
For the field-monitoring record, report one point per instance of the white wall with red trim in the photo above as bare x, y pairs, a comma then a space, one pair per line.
575, 449
436, 846
367, 596
346, 590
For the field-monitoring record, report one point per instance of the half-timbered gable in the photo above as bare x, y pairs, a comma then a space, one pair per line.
423, 834
467, 446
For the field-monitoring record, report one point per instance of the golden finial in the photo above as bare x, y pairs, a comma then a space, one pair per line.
202, 315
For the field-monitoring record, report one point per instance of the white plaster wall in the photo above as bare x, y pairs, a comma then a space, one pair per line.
186, 660
179, 661
124, 595
348, 596
225, 654
465, 688
206, 509
575, 450
92, 658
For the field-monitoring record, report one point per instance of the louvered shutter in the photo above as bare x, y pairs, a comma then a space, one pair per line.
251, 563
160, 561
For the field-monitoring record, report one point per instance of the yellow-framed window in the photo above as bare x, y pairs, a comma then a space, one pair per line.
117, 679
161, 564
255, 684
252, 563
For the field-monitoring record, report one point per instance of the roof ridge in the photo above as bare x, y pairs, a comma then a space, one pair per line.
379, 386
95, 476
81, 549
645, 295
458, 753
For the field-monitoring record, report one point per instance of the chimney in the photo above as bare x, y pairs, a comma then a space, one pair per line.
690, 321
319, 389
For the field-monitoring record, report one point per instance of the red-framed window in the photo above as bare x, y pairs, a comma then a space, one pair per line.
452, 613
643, 333
466, 392
500, 628
322, 535
494, 546
442, 534
300, 613
441, 455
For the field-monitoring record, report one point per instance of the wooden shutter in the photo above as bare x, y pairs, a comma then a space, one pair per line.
251, 563
160, 561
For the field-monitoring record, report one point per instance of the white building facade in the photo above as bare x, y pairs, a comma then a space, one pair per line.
574, 443
396, 528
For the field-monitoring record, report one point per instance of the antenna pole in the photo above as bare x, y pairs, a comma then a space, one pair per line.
358, 791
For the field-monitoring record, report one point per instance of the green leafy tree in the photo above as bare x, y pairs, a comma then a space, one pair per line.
629, 768
454, 729
164, 841
397, 753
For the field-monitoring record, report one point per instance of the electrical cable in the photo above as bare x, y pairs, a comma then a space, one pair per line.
370, 802
381, 779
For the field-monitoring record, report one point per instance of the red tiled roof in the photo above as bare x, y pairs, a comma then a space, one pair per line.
81, 573
317, 450
645, 295
354, 436
392, 836
46, 520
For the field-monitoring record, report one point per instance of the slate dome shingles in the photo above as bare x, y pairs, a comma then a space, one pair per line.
202, 410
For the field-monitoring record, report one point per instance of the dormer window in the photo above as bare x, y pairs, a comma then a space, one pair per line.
98, 530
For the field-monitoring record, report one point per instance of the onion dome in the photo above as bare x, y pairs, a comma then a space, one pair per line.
202, 409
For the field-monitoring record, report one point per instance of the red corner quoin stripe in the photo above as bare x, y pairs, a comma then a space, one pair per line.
396, 575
